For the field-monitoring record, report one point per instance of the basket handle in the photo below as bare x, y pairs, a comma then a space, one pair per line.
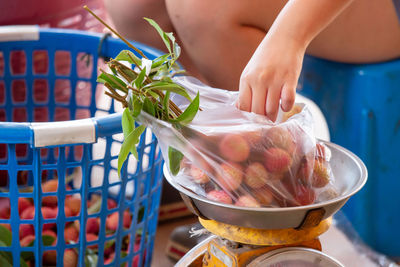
19, 33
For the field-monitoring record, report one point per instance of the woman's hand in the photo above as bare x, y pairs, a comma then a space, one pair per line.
271, 77
273, 71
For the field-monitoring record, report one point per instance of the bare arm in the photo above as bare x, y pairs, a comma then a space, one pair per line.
273, 71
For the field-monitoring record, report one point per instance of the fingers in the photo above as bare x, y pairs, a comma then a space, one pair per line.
258, 100
245, 97
288, 96
272, 102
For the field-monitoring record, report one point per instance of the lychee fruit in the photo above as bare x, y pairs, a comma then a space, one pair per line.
256, 175
70, 258
277, 160
230, 176
219, 196
234, 147
50, 186
28, 213
91, 237
281, 138
247, 201
304, 195
52, 234
50, 257
112, 220
320, 176
49, 213
198, 175
74, 204
304, 171
111, 204
25, 230
92, 226
71, 234
23, 203
4, 208
263, 196
27, 240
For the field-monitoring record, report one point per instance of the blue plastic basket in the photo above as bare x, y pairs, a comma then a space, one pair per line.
361, 103
42, 78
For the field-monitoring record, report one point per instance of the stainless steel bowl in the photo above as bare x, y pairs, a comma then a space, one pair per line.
350, 176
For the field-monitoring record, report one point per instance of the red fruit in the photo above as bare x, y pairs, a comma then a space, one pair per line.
112, 221
304, 171
50, 186
198, 175
92, 226
28, 213
27, 240
247, 201
49, 213
219, 196
74, 204
25, 230
277, 160
71, 234
234, 147
253, 137
230, 176
280, 138
70, 258
4, 208
50, 257
111, 204
91, 237
256, 175
320, 176
263, 196
68, 212
322, 152
23, 203
304, 195
110, 259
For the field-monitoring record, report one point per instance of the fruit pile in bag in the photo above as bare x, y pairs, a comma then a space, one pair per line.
211, 147
242, 158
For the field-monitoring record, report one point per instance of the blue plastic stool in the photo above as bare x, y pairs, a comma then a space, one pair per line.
34, 63
361, 104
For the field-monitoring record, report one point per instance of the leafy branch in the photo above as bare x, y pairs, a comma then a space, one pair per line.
147, 87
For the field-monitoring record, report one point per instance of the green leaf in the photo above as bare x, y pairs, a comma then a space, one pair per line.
126, 55
169, 87
175, 157
137, 106
128, 123
4, 262
47, 240
5, 236
166, 105
159, 61
190, 112
130, 140
23, 263
164, 36
91, 259
140, 78
114, 81
149, 107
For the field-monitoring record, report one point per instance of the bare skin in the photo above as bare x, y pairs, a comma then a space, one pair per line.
220, 37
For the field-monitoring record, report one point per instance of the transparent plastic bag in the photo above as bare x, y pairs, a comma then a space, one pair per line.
242, 158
